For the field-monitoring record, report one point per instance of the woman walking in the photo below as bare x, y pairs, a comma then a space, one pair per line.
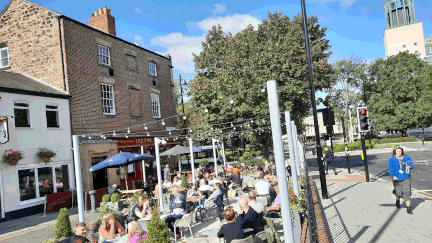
400, 167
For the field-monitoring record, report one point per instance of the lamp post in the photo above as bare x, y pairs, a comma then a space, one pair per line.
182, 102
315, 115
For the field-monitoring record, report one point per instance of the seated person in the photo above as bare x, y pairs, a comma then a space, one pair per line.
233, 180
273, 211
176, 181
233, 229
214, 181
110, 228
196, 192
113, 190
210, 201
78, 236
178, 206
135, 234
263, 188
167, 184
205, 187
250, 218
139, 209
257, 206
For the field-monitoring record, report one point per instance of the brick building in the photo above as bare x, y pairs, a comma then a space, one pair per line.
113, 83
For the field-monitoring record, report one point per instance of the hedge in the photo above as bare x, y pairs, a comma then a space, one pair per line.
374, 142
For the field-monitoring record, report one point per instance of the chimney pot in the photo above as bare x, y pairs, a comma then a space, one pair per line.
104, 10
100, 11
109, 11
101, 19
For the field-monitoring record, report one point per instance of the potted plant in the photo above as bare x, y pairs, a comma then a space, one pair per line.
12, 157
157, 228
45, 154
203, 162
63, 226
115, 203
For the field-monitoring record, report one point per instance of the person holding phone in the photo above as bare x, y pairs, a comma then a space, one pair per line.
399, 167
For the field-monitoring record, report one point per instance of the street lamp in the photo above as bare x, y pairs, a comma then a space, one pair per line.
182, 102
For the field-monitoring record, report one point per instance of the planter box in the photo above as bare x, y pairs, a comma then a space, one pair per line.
115, 206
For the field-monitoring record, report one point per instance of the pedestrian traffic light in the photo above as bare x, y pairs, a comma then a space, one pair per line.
363, 119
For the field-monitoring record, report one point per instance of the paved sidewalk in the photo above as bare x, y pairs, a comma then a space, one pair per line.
360, 211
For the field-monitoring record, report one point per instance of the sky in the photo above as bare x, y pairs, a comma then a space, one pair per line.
355, 28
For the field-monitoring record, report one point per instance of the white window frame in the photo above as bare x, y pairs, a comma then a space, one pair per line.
155, 105
35, 167
100, 49
7, 57
110, 92
152, 68
58, 114
28, 113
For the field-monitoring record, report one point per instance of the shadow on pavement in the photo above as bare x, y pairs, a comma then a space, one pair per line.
341, 199
384, 227
360, 233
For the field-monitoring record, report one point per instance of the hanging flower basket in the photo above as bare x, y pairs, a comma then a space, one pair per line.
11, 157
45, 154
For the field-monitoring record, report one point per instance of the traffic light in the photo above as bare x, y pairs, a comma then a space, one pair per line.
328, 116
363, 119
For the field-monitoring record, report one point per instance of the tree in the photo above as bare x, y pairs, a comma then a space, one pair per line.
157, 228
63, 226
400, 91
229, 65
184, 183
345, 95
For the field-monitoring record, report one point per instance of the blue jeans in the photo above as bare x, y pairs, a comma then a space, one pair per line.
170, 220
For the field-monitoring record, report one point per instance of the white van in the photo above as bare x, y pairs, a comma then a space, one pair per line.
207, 153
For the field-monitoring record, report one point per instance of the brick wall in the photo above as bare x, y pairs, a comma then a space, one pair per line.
85, 75
31, 34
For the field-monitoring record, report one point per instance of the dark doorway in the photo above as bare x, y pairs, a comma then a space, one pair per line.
100, 177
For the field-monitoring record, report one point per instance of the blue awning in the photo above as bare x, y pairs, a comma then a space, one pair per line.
121, 159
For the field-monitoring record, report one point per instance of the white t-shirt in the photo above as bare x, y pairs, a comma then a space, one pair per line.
167, 185
213, 182
59, 185
262, 187
177, 183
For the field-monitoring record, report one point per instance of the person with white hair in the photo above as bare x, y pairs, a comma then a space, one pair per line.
113, 190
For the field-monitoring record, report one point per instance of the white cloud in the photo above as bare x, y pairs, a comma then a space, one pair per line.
138, 11
139, 40
343, 3
181, 47
231, 24
219, 8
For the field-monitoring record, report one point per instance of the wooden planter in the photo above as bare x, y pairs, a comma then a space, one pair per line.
46, 159
13, 162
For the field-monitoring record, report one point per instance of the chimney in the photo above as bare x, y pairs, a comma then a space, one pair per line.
101, 19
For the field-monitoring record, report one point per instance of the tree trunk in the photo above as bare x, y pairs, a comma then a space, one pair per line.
265, 150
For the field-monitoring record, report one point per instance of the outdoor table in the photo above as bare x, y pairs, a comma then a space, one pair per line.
133, 192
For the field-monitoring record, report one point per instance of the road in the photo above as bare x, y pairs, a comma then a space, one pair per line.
378, 163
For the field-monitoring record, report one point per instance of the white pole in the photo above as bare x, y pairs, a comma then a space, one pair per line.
280, 160
214, 155
291, 152
297, 149
192, 160
78, 178
159, 173
351, 128
223, 154
179, 163
293, 134
143, 166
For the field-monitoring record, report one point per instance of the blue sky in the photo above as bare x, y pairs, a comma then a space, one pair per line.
178, 27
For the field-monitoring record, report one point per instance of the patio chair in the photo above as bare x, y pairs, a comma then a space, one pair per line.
247, 240
260, 237
186, 221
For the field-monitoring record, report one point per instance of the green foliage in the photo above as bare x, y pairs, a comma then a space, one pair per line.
203, 162
157, 229
115, 197
298, 203
184, 183
106, 198
400, 90
257, 153
399, 140
105, 209
63, 226
234, 64
94, 226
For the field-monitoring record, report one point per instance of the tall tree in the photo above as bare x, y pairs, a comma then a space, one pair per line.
400, 91
229, 65
349, 76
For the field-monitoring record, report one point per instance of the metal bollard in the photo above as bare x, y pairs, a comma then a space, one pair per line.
93, 201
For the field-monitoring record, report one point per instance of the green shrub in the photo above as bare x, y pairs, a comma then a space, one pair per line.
63, 226
257, 153
184, 183
94, 226
115, 197
106, 198
157, 229
203, 162
399, 140
134, 199
105, 209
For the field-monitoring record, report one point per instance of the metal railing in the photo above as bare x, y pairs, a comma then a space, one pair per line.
310, 210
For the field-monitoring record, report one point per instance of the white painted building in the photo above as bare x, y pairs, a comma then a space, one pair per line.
39, 117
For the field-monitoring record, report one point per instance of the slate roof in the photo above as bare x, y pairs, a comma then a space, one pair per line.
14, 82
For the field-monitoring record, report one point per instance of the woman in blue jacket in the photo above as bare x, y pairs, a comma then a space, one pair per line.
400, 167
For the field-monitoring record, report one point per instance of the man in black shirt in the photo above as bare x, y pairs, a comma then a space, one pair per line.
139, 210
250, 218
79, 236
234, 179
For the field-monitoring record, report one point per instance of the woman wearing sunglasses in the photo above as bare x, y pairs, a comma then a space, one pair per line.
400, 167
